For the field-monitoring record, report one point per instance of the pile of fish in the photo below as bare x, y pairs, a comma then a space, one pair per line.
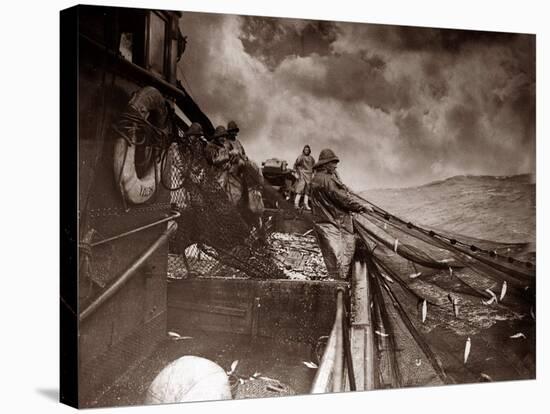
298, 255
196, 263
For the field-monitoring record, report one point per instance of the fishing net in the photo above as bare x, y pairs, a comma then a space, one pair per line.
432, 290
214, 237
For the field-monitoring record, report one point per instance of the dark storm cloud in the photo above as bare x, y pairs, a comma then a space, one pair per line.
346, 77
400, 105
409, 38
272, 40
218, 72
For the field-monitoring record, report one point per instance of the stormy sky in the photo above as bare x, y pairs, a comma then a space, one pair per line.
400, 106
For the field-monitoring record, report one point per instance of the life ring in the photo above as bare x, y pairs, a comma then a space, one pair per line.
147, 106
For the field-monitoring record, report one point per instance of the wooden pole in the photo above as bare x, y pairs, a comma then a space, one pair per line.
338, 376
362, 333
331, 367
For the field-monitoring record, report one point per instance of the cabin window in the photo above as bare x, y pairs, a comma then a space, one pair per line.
157, 44
126, 46
131, 37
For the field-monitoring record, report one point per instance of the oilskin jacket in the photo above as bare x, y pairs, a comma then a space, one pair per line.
234, 186
235, 144
304, 168
218, 156
332, 204
229, 175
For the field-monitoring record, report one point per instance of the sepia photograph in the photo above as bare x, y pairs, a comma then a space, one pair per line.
274, 206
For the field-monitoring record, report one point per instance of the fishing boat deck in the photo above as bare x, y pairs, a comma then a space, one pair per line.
272, 326
267, 357
276, 345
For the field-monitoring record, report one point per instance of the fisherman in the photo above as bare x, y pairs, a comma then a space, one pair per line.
194, 133
192, 143
228, 160
233, 143
304, 167
332, 205
233, 180
245, 178
218, 155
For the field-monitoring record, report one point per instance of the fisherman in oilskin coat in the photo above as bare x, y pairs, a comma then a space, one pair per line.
245, 178
304, 167
227, 154
218, 155
237, 158
332, 204
233, 144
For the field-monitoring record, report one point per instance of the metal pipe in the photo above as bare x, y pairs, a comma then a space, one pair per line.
138, 229
333, 356
128, 273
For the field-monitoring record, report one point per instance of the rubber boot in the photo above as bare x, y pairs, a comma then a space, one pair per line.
306, 202
297, 200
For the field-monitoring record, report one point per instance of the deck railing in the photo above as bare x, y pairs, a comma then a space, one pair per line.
130, 272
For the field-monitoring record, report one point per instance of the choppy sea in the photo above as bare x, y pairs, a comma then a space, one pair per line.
501, 209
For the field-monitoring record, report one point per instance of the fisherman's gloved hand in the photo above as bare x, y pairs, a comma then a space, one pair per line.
366, 209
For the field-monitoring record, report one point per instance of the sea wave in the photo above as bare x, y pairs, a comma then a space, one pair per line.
500, 208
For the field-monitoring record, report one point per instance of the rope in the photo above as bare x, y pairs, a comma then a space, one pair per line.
128, 126
131, 121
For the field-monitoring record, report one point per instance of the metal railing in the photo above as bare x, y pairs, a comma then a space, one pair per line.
174, 215
129, 272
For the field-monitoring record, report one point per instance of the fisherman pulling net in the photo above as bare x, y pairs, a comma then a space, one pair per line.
413, 269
